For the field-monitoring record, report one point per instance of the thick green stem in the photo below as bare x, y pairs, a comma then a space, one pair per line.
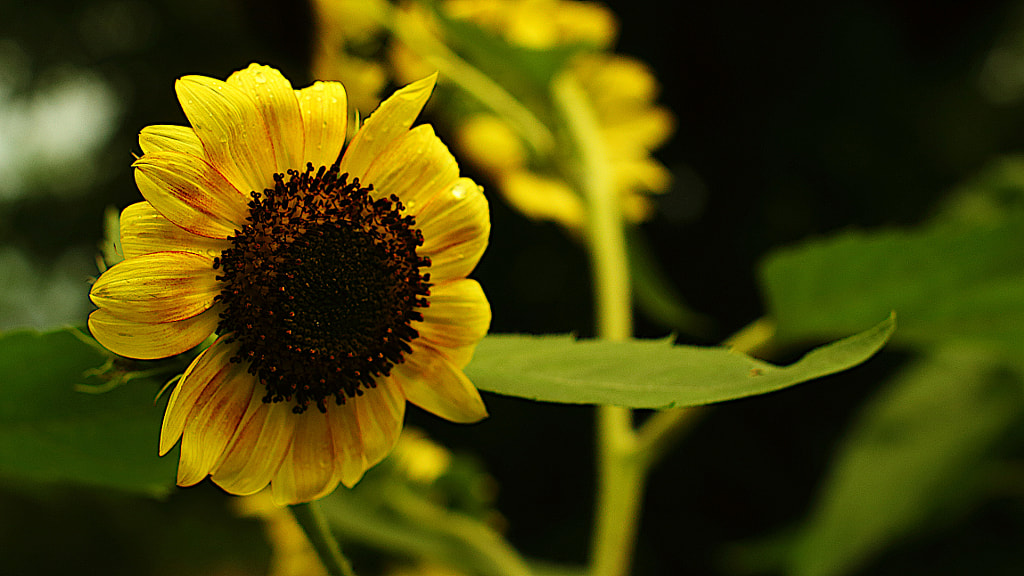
315, 526
662, 429
605, 231
620, 472
619, 495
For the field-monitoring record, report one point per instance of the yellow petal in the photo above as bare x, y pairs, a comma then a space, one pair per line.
348, 443
158, 287
641, 175
616, 83
531, 30
215, 416
191, 193
416, 167
255, 453
432, 382
324, 108
389, 121
276, 102
587, 22
543, 198
637, 208
456, 225
144, 231
491, 144
307, 472
151, 341
197, 377
232, 130
456, 320
380, 412
166, 138
645, 130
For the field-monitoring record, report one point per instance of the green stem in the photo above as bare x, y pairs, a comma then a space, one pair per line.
662, 429
315, 526
658, 433
478, 542
605, 232
620, 472
619, 493
754, 338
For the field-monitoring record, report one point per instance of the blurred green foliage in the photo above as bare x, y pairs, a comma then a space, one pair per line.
55, 431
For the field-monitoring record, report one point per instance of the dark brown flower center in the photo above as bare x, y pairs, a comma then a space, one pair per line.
321, 286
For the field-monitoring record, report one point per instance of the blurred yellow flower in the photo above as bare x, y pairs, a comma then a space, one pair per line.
419, 458
539, 24
622, 91
493, 144
347, 34
543, 198
336, 282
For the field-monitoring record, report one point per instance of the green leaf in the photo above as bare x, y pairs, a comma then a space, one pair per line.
946, 283
51, 433
915, 454
649, 374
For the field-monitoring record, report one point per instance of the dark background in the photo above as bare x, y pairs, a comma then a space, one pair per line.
794, 119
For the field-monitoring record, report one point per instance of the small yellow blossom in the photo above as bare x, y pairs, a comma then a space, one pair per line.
419, 458
491, 144
543, 198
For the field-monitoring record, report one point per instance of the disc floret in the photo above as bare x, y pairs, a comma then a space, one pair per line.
321, 286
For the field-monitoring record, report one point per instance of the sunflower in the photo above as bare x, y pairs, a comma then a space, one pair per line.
335, 283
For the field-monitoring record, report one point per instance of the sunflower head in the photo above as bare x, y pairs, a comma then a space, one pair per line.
349, 282
334, 278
